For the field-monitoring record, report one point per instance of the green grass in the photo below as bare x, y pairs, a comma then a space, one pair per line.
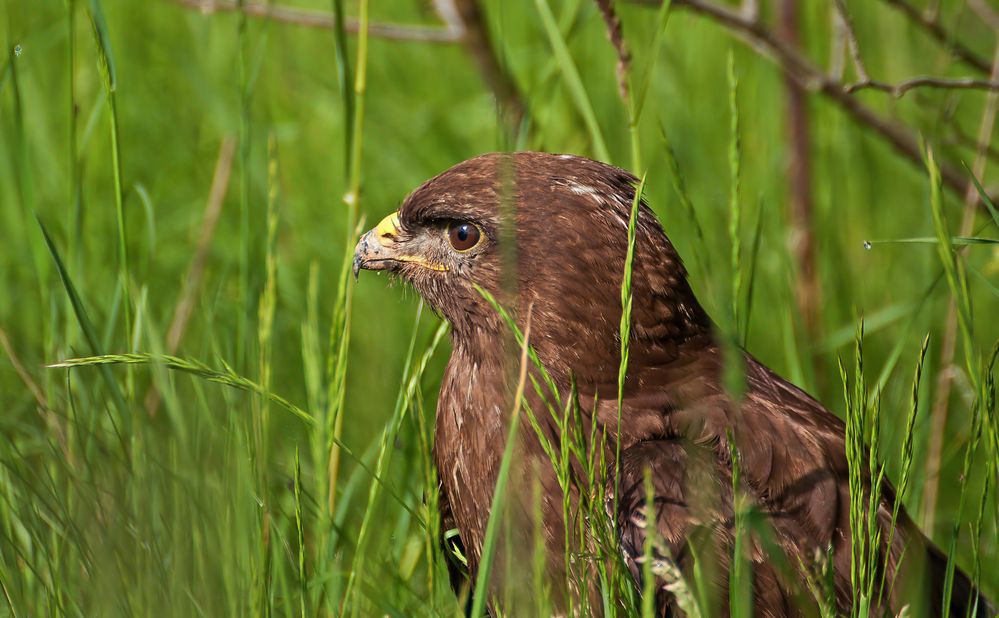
286, 469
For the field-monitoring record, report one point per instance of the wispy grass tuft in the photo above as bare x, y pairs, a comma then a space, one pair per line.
225, 376
865, 477
908, 437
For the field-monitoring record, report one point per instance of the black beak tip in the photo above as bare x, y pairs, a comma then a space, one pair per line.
357, 266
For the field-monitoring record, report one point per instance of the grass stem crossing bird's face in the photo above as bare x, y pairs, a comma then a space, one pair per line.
565, 222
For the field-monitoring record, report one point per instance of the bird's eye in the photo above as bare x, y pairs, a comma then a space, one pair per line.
463, 235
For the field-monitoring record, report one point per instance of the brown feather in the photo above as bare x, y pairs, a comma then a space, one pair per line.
570, 221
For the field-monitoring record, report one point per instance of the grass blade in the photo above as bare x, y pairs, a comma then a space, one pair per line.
88, 331
573, 81
106, 62
481, 591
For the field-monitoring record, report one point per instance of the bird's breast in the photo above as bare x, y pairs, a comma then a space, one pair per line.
469, 441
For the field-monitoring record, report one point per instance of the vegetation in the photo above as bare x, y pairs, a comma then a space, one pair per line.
246, 430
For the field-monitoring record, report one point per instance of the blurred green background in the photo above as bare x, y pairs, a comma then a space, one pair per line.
187, 505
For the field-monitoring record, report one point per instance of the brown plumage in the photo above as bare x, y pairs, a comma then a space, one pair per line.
569, 234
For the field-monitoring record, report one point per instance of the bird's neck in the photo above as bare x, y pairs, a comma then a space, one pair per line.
470, 435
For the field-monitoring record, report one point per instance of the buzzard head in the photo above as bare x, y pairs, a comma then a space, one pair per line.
540, 230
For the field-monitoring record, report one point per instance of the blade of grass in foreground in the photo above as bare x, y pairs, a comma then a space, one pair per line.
648, 579
107, 64
734, 203
754, 255
300, 533
983, 195
343, 77
243, 83
740, 575
573, 81
498, 503
907, 448
625, 338
340, 327
953, 268
90, 334
227, 376
662, 20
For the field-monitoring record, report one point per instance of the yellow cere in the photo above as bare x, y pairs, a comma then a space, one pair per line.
388, 227
386, 231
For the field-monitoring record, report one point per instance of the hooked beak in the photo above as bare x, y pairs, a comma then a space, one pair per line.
374, 250
380, 249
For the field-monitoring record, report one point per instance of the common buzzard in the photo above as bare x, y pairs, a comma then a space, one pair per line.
547, 236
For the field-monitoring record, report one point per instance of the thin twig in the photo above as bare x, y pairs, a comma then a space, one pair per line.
899, 89
837, 47
986, 13
769, 45
196, 270
324, 20
843, 16
213, 210
958, 137
616, 37
931, 24
22, 372
43, 404
808, 289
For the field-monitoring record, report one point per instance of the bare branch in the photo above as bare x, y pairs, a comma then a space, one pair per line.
930, 22
901, 138
617, 40
899, 89
324, 20
463, 24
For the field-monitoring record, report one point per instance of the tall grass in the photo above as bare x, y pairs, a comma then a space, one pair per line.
291, 471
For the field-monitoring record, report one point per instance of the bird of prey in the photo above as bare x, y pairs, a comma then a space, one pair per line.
546, 236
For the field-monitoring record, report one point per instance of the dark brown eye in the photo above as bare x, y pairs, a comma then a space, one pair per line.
463, 236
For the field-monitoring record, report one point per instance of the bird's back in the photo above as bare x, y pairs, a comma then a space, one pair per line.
792, 469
